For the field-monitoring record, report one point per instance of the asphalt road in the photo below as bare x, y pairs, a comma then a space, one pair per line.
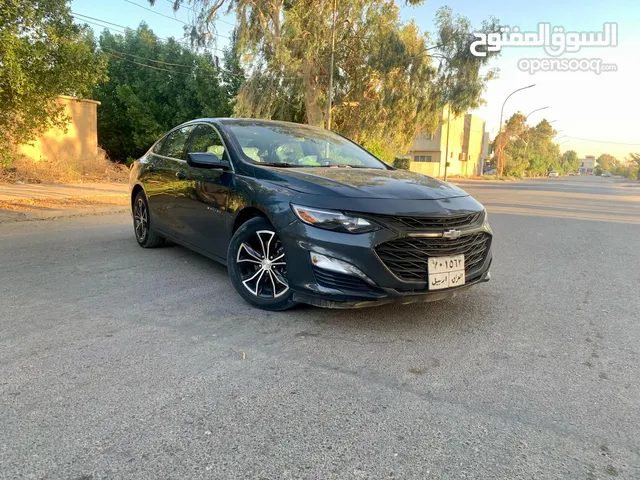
119, 362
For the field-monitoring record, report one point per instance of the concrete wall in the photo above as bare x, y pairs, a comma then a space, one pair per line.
79, 142
473, 143
466, 135
456, 141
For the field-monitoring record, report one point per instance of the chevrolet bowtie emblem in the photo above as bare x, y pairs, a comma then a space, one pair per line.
452, 234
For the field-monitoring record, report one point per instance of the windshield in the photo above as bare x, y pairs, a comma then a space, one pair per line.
290, 145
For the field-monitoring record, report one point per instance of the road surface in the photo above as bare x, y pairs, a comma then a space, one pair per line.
119, 362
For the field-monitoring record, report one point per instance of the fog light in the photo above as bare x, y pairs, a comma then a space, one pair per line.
338, 266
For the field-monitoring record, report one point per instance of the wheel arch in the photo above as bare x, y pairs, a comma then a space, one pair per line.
137, 188
246, 214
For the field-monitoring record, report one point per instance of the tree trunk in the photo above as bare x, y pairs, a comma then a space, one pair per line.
311, 95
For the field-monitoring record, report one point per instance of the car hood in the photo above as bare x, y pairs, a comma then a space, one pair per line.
360, 183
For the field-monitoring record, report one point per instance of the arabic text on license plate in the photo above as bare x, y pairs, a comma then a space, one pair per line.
445, 272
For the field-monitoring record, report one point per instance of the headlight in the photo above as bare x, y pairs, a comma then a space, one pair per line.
333, 220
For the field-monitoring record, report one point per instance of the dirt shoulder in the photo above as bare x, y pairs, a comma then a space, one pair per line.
44, 201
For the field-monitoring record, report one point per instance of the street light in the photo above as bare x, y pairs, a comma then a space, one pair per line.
505, 101
500, 167
534, 111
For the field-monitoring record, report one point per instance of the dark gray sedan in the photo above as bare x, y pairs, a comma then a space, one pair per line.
301, 214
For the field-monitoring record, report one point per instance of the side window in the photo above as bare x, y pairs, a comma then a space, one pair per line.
157, 149
205, 139
174, 143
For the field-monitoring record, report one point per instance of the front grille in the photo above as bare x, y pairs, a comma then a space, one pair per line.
411, 223
340, 281
407, 257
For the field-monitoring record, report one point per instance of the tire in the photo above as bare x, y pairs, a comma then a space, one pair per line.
257, 266
142, 230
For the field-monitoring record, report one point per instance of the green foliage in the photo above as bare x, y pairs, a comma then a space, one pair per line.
607, 162
43, 54
569, 162
460, 82
597, 171
386, 87
531, 151
402, 163
154, 86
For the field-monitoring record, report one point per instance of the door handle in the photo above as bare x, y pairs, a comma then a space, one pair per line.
180, 175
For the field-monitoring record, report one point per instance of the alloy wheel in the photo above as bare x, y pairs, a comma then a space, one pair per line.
141, 219
262, 265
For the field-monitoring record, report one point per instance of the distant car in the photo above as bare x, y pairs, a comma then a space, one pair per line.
553, 173
606, 174
572, 174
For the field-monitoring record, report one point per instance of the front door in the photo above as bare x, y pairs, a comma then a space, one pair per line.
204, 214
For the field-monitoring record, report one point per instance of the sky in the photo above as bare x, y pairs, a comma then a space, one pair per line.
593, 113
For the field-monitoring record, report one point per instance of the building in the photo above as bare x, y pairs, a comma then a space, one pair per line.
486, 152
78, 141
587, 165
466, 149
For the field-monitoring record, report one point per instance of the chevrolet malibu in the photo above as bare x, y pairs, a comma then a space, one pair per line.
303, 215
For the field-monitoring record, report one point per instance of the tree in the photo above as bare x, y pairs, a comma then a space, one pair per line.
154, 86
635, 158
386, 86
607, 162
529, 150
569, 161
43, 54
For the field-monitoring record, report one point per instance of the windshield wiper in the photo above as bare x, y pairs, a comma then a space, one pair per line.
278, 164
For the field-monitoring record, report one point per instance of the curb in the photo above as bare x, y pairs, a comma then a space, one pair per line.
8, 216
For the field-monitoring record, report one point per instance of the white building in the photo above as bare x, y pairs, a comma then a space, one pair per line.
587, 165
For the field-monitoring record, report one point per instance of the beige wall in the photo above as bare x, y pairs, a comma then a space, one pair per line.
79, 142
473, 143
466, 133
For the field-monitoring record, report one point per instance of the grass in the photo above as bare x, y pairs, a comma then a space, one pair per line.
64, 170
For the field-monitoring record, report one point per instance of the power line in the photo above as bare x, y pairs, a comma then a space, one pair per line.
148, 66
198, 12
603, 141
169, 17
84, 17
146, 58
157, 13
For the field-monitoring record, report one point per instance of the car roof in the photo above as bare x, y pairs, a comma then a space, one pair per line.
251, 122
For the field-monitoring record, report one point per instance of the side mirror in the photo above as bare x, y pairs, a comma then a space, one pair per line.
207, 160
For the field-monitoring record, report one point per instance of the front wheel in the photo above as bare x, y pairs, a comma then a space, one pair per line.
257, 266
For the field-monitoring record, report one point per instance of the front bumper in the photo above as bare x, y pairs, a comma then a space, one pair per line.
309, 285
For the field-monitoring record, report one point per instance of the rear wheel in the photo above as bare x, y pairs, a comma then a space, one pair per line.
142, 223
257, 266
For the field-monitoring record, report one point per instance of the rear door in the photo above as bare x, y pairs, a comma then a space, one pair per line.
166, 184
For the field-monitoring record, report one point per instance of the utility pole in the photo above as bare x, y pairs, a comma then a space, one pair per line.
333, 51
446, 160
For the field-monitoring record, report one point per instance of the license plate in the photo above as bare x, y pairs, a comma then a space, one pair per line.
445, 272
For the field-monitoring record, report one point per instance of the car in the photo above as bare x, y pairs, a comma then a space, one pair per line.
553, 173
299, 214
606, 174
572, 174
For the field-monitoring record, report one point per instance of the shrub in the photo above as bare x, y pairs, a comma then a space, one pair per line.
402, 163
